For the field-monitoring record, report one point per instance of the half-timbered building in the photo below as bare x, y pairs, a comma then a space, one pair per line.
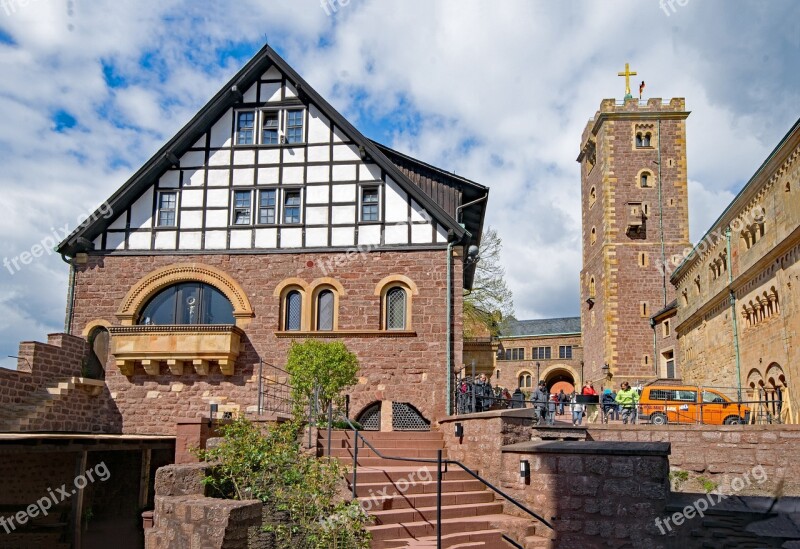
267, 219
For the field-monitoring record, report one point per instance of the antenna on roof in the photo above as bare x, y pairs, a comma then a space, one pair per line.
266, 39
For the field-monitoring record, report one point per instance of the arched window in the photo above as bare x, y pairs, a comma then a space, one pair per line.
293, 311
644, 180
646, 140
639, 140
396, 310
326, 302
593, 237
592, 196
188, 303
592, 288
525, 380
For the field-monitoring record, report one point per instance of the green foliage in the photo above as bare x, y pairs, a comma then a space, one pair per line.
707, 484
326, 366
678, 477
270, 466
490, 300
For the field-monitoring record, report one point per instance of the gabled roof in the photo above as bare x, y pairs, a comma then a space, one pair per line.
541, 327
226, 98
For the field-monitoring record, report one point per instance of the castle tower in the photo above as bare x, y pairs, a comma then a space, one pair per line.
635, 219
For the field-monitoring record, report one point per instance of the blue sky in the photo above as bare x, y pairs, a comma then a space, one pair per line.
498, 92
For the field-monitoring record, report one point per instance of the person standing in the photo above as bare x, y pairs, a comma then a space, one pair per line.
576, 409
540, 399
628, 399
483, 394
609, 405
562, 399
591, 409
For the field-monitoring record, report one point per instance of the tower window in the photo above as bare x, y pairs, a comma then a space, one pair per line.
593, 237
643, 307
592, 196
645, 180
642, 259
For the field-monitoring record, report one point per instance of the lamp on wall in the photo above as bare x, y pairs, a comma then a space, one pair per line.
606, 369
524, 469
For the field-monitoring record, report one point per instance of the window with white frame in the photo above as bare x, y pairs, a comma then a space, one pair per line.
291, 207
167, 207
270, 126
267, 207
245, 127
370, 204
242, 207
294, 125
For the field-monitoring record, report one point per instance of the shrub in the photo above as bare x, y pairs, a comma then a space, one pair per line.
269, 466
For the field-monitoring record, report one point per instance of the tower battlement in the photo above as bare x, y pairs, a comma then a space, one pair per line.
631, 109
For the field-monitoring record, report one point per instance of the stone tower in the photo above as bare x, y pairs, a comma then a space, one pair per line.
635, 219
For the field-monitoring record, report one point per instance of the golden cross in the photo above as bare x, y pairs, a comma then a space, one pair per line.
627, 74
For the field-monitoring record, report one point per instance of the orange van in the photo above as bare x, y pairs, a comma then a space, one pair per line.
662, 404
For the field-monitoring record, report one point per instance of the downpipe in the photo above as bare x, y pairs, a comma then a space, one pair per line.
735, 324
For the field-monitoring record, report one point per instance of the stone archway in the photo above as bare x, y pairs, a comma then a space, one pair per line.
560, 376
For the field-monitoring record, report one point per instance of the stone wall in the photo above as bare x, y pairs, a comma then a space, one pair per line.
765, 275
184, 517
723, 453
624, 279
404, 369
47, 392
596, 494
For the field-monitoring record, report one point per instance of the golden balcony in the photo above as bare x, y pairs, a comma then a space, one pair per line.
179, 347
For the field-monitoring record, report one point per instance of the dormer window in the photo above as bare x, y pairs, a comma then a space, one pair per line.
370, 202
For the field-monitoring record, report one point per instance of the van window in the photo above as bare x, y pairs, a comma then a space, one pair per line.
709, 397
673, 394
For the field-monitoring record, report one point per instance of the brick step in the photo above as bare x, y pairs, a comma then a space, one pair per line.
486, 539
536, 542
379, 444
389, 461
405, 501
428, 514
408, 474
386, 488
347, 453
426, 528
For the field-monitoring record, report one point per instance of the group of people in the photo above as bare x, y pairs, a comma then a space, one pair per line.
613, 405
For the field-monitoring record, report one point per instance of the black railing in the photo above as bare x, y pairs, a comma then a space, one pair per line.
439, 461
274, 390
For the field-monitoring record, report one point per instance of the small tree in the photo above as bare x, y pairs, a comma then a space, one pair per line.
327, 367
490, 301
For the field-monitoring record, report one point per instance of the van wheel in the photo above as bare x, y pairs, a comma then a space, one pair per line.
733, 420
658, 419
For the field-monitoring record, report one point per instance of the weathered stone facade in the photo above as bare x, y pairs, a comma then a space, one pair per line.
555, 371
627, 214
738, 315
404, 367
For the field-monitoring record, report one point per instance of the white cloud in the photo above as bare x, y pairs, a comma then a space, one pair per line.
500, 95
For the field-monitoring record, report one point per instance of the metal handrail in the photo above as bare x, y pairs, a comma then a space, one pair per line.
439, 461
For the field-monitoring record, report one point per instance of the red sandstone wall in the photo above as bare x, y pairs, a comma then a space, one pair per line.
44, 366
403, 369
722, 453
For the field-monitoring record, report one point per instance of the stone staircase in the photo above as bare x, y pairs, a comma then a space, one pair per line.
401, 496
19, 417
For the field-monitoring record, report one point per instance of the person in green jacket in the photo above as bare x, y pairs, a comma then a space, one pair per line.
628, 399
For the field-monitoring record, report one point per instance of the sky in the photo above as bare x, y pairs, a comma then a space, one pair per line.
498, 92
